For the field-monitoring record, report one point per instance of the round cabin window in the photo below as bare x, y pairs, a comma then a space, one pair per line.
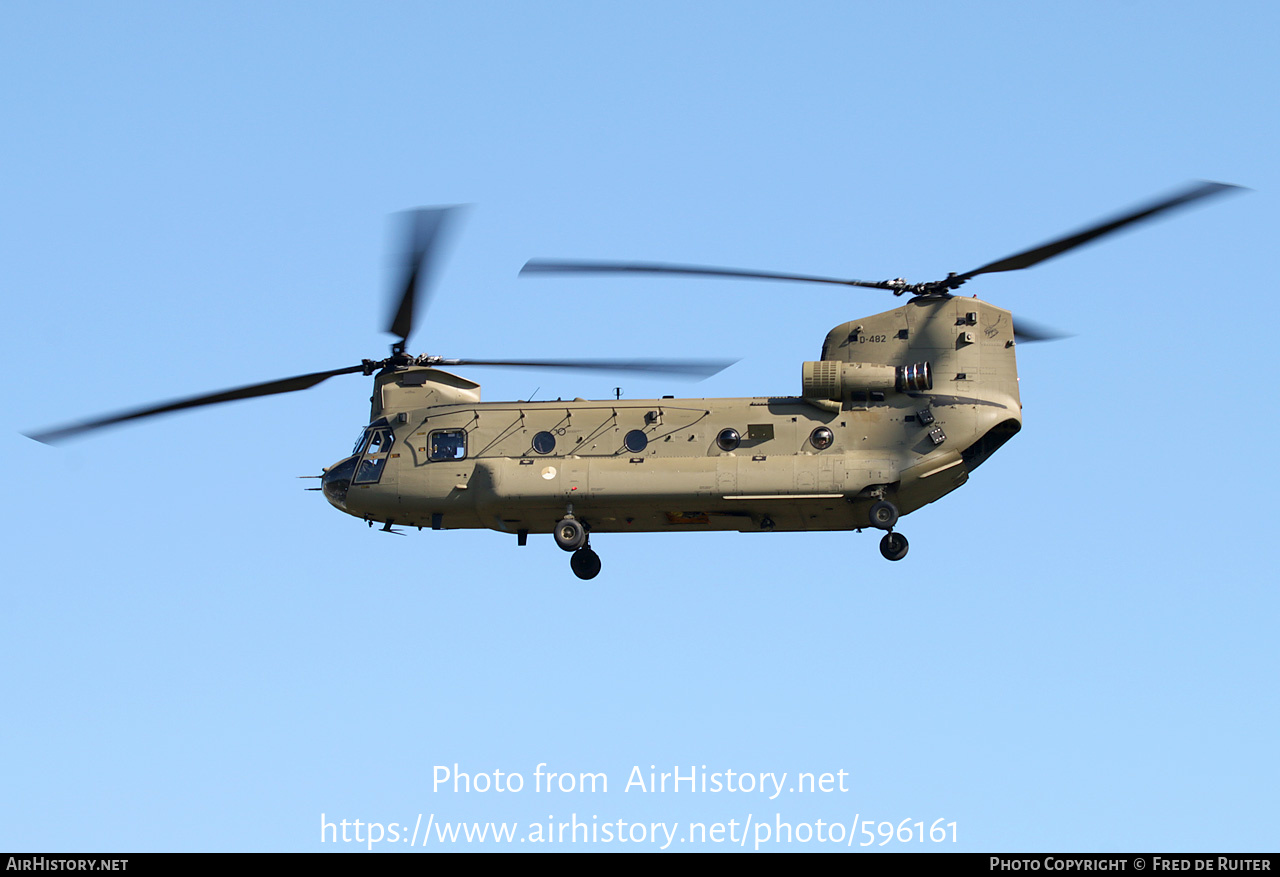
544, 442
635, 441
728, 439
821, 438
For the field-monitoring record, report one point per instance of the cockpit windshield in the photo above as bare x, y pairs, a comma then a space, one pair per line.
374, 444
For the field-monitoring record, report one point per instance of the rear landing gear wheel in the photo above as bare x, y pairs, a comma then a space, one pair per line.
884, 515
585, 563
570, 534
894, 546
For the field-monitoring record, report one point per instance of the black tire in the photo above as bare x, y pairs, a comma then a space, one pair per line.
570, 534
894, 546
585, 563
883, 515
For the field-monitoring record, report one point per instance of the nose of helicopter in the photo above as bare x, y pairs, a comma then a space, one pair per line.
336, 481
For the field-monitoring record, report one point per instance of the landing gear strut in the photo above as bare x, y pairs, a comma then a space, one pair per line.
585, 563
894, 546
883, 515
571, 535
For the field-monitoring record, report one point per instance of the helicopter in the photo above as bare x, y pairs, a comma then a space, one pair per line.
897, 412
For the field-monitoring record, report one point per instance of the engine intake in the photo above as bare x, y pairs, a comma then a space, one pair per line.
915, 378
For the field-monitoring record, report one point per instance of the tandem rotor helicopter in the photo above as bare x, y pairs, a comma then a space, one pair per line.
901, 407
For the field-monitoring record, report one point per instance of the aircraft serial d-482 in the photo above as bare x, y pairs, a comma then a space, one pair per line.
901, 407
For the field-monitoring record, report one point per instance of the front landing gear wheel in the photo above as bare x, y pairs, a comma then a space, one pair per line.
585, 563
884, 515
894, 546
570, 534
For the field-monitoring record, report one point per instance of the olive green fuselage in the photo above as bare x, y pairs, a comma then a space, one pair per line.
441, 458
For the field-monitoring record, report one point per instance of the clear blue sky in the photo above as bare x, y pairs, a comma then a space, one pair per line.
1080, 651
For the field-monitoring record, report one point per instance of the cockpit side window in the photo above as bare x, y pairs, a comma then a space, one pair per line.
376, 442
380, 441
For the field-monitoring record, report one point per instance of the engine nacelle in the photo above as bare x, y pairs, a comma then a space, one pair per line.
831, 381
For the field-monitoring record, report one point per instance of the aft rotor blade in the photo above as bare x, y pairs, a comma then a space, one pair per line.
696, 369
423, 231
1025, 332
1034, 256
269, 388
546, 266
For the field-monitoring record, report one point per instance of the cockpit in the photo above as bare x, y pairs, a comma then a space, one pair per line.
372, 451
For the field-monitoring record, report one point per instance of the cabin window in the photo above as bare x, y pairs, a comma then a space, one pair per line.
635, 441
544, 442
728, 439
447, 444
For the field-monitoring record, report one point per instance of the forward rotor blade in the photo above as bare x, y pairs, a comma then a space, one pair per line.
546, 266
269, 388
697, 369
1027, 258
423, 231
